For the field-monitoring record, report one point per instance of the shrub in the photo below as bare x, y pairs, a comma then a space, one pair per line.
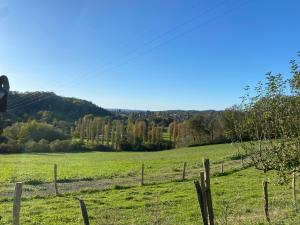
41, 146
3, 139
125, 146
65, 146
99, 147
11, 147
33, 131
163, 145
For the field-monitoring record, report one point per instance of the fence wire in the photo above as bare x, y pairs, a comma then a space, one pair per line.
232, 211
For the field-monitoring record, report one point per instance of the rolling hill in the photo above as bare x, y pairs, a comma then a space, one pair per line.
49, 106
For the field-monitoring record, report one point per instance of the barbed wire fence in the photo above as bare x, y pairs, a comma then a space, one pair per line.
228, 213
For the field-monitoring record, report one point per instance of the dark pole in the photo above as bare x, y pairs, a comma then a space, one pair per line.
4, 90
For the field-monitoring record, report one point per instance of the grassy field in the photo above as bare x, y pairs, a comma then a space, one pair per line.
237, 196
102, 165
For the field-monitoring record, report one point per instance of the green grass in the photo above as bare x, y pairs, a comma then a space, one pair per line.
237, 196
103, 165
172, 203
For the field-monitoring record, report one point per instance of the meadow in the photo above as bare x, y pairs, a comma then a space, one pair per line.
101, 165
109, 184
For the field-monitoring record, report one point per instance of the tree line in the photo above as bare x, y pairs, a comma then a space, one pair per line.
120, 134
132, 132
203, 128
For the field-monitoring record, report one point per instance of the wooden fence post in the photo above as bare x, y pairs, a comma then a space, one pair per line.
142, 173
55, 179
17, 203
266, 199
84, 212
201, 202
183, 172
202, 183
294, 189
222, 168
208, 191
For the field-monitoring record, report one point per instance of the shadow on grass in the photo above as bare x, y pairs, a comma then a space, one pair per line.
72, 180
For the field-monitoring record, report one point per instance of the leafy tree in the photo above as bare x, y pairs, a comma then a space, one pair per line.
231, 120
41, 146
198, 128
261, 121
33, 131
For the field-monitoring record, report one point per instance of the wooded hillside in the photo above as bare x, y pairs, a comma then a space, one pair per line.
48, 106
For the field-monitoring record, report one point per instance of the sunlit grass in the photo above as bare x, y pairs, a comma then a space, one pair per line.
237, 196
101, 165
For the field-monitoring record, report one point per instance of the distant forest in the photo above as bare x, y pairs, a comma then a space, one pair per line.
46, 122
48, 107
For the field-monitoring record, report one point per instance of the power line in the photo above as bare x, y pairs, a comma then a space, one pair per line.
25, 103
37, 95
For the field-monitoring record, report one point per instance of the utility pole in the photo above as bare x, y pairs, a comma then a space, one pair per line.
4, 90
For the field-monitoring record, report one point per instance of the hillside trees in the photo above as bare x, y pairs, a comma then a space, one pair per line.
47, 106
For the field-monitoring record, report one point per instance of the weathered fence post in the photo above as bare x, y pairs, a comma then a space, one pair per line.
142, 173
183, 172
84, 212
55, 179
294, 189
17, 203
202, 205
202, 183
222, 168
208, 191
266, 198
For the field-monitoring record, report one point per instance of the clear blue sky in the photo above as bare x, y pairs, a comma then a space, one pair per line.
158, 54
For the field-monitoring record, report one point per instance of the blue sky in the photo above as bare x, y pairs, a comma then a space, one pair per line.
156, 55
